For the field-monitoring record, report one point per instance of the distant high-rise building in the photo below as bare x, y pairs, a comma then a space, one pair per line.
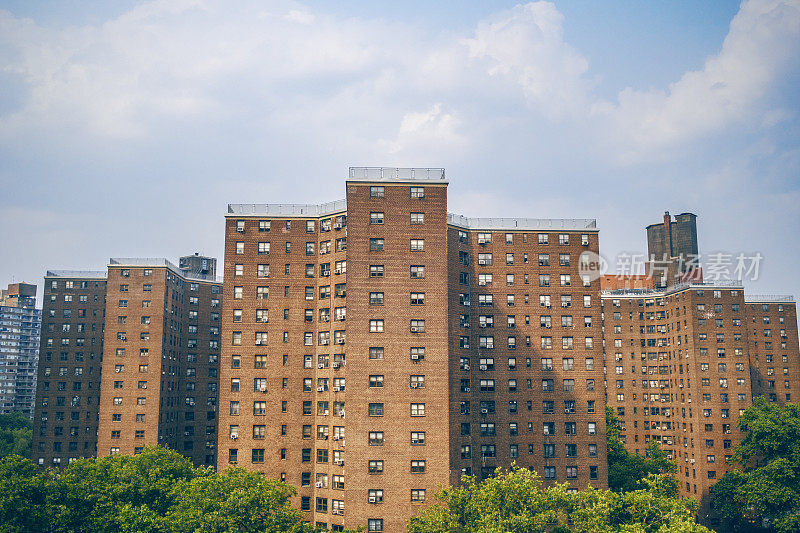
376, 348
20, 327
71, 356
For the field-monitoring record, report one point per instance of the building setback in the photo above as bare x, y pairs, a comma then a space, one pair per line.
451, 345
67, 399
20, 326
159, 382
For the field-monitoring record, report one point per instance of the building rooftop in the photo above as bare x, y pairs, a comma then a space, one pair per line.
768, 298
710, 285
159, 262
87, 274
431, 175
287, 210
565, 224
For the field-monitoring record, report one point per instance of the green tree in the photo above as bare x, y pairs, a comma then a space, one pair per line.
16, 435
156, 491
625, 469
766, 487
515, 501
22, 493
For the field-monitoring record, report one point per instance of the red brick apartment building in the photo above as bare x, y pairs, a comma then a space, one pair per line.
160, 376
376, 348
155, 378
70, 362
684, 361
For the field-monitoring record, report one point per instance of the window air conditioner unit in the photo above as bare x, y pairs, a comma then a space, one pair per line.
340, 414
484, 411
414, 385
336, 389
483, 367
335, 365
372, 499
320, 389
482, 283
481, 261
336, 437
414, 356
338, 225
413, 329
466, 367
321, 365
466, 389
338, 462
319, 484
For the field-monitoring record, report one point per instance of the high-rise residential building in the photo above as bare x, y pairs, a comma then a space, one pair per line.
376, 348
773, 347
71, 355
20, 326
684, 361
159, 381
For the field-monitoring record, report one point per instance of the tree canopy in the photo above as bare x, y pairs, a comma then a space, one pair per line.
765, 489
158, 490
626, 469
515, 501
16, 434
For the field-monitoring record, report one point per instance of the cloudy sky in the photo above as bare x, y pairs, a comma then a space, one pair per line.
126, 127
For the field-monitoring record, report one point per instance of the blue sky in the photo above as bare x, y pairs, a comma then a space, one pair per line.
126, 127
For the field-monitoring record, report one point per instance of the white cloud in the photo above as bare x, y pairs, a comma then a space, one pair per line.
762, 45
526, 45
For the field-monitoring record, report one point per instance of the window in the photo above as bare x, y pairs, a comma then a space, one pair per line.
417, 409
417, 495
418, 438
417, 271
417, 245
375, 524
417, 192
376, 271
375, 245
376, 218
376, 438
376, 298
376, 326
376, 191
417, 218
376, 352
417, 298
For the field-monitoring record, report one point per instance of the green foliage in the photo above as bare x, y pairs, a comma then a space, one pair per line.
156, 491
514, 501
625, 469
767, 486
16, 435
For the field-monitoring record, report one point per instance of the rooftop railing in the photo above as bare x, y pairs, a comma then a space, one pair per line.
395, 173
566, 224
768, 298
288, 210
89, 274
